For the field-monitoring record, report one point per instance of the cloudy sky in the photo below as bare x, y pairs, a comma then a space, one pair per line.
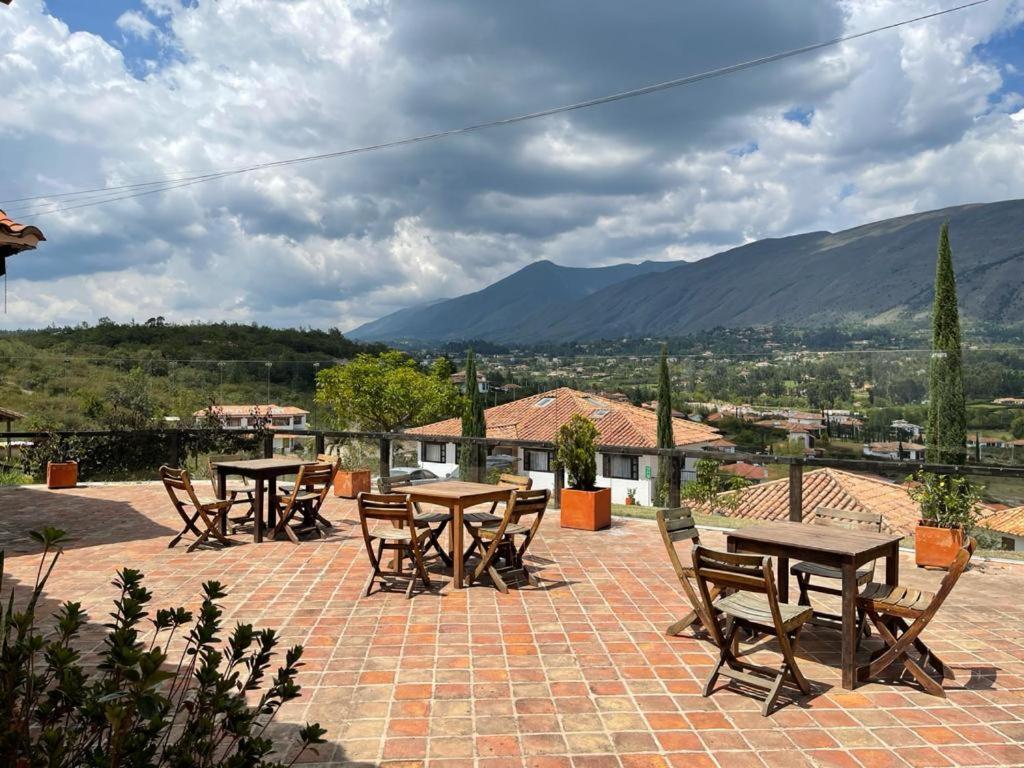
112, 92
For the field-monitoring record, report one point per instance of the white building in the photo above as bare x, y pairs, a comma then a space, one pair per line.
895, 450
538, 418
459, 380
282, 418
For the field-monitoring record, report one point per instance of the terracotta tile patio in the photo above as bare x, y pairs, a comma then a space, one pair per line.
575, 672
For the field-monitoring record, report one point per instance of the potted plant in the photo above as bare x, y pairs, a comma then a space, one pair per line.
630, 497
584, 506
949, 509
353, 476
61, 468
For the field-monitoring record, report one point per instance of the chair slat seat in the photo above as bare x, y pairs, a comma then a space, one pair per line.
212, 502
755, 609
830, 572
896, 600
477, 518
396, 534
516, 529
433, 516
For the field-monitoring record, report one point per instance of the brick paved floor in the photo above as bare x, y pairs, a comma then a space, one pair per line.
574, 672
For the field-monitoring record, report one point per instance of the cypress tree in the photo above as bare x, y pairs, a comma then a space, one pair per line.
665, 436
946, 438
473, 425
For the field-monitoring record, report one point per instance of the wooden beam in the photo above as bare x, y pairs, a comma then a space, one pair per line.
796, 493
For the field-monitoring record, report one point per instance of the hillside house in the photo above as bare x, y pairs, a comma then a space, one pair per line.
895, 450
459, 380
281, 418
1008, 525
538, 418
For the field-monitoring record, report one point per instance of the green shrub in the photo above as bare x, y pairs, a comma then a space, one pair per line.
947, 501
11, 477
575, 450
134, 709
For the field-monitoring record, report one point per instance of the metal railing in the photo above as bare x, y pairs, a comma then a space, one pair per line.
677, 456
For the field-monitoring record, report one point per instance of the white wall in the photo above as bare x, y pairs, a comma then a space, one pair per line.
441, 469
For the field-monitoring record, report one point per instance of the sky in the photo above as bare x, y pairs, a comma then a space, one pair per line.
110, 92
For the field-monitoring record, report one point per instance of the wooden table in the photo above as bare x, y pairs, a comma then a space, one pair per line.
456, 496
846, 550
260, 471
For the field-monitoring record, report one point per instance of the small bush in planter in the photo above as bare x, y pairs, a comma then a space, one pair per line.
949, 510
133, 708
584, 506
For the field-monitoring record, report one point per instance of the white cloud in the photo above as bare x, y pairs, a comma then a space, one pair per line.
902, 121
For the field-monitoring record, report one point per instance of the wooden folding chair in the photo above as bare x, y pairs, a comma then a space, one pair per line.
401, 537
835, 518
490, 538
212, 513
233, 488
753, 604
890, 607
307, 496
519, 482
427, 519
677, 525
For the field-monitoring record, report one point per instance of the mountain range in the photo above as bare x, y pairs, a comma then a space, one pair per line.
879, 273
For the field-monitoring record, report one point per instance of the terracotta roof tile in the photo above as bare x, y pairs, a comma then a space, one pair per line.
259, 410
830, 488
617, 423
1009, 521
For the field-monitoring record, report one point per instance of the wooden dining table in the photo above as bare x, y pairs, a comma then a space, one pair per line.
457, 496
840, 548
264, 474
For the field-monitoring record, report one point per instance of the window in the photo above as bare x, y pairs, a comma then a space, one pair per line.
622, 467
544, 402
436, 453
599, 413
537, 461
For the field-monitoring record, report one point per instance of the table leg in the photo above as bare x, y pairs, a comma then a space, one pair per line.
457, 545
783, 579
257, 512
222, 484
849, 638
271, 506
730, 545
892, 565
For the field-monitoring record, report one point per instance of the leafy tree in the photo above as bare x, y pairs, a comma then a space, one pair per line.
383, 393
442, 368
1017, 427
946, 434
127, 404
706, 488
472, 458
665, 437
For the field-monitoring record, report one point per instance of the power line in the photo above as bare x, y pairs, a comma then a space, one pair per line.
161, 186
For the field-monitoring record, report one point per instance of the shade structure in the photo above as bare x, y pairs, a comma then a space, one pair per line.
15, 238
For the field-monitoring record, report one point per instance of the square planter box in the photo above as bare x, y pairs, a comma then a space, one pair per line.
936, 547
586, 510
349, 484
62, 474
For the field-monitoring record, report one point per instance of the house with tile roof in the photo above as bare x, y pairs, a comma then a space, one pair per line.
282, 418
829, 487
539, 417
895, 450
1008, 524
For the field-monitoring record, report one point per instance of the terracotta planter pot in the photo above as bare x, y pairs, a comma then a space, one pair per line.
350, 483
936, 547
586, 510
62, 474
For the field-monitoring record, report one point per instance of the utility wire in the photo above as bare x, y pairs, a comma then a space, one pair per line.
161, 186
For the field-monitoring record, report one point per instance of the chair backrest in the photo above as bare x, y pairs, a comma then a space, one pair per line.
677, 525
179, 486
313, 478
848, 518
389, 507
956, 570
523, 503
521, 482
392, 482
215, 459
737, 572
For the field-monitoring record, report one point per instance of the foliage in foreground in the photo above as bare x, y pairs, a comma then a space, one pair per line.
710, 483
134, 709
473, 456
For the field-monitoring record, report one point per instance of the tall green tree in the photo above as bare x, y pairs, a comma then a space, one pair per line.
665, 437
442, 368
383, 393
472, 458
946, 435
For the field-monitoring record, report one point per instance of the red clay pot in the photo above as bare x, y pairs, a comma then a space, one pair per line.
936, 547
586, 510
62, 474
350, 483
